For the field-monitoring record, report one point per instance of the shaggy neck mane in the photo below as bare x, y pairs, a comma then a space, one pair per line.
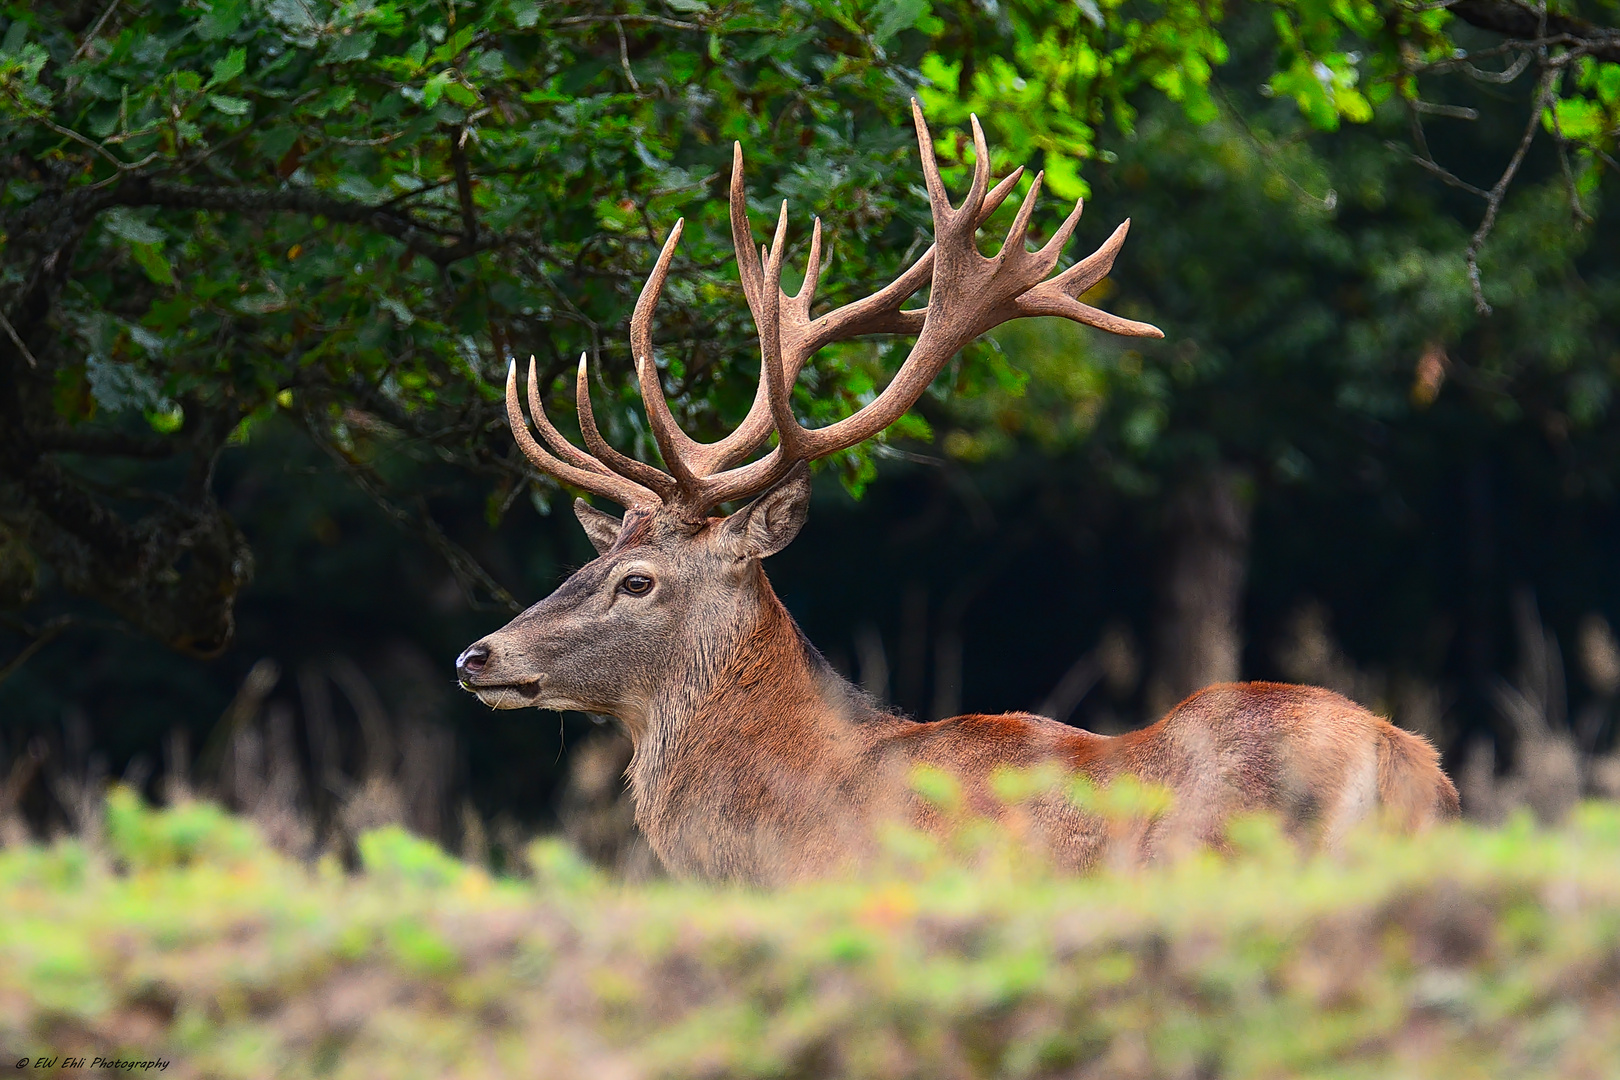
754, 727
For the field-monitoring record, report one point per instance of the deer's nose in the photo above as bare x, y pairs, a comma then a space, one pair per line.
472, 661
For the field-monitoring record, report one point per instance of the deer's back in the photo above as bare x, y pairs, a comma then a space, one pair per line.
1314, 757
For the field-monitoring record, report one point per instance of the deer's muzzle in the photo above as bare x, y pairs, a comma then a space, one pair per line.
478, 676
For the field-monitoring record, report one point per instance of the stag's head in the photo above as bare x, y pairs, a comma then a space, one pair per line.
673, 583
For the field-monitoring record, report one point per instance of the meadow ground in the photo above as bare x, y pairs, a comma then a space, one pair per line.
182, 937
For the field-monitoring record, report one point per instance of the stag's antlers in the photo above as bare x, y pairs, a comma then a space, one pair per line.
968, 295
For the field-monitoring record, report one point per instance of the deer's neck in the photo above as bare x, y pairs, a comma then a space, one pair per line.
748, 748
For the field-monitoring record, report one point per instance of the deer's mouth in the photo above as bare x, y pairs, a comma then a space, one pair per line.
506, 695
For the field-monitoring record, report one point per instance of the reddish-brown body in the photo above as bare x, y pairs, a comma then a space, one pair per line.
784, 771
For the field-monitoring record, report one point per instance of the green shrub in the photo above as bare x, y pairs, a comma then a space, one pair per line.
146, 839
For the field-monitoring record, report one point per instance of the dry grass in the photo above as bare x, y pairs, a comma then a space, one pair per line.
1465, 952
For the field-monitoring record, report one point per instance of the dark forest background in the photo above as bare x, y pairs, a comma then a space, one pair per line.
265, 264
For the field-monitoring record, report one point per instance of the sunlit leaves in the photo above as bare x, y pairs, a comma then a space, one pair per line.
1070, 69
1590, 115
1316, 70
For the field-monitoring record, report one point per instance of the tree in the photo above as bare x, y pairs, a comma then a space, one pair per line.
355, 213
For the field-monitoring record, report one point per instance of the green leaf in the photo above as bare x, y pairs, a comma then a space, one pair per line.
295, 14
1607, 83
121, 222
230, 106
434, 89
167, 419
1063, 177
1579, 118
461, 94
525, 13
398, 310
222, 19
151, 259
335, 99
894, 16
275, 143
1353, 105
352, 47
391, 852
228, 67
942, 790
118, 385
16, 34
358, 187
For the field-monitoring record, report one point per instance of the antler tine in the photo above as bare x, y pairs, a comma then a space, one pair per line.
746, 480
554, 438
742, 234
1047, 256
1016, 242
774, 253
625, 492
998, 194
773, 369
1059, 295
938, 198
981, 172
1094, 267
638, 471
673, 443
812, 272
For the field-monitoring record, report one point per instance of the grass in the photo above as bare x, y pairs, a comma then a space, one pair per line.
1465, 952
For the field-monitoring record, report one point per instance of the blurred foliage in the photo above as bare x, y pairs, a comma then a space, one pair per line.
1462, 952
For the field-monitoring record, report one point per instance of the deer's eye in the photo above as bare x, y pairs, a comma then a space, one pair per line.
636, 584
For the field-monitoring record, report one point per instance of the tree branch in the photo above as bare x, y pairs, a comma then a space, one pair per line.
419, 237
16, 339
466, 569
41, 638
1516, 20
1493, 198
464, 192
107, 444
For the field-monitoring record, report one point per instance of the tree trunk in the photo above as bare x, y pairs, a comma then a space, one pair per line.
1200, 625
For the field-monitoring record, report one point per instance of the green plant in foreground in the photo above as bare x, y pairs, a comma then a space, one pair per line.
1462, 952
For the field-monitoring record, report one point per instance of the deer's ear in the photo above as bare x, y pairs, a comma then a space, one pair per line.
769, 523
600, 526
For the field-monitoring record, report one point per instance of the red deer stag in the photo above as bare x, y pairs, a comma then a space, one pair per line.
754, 760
